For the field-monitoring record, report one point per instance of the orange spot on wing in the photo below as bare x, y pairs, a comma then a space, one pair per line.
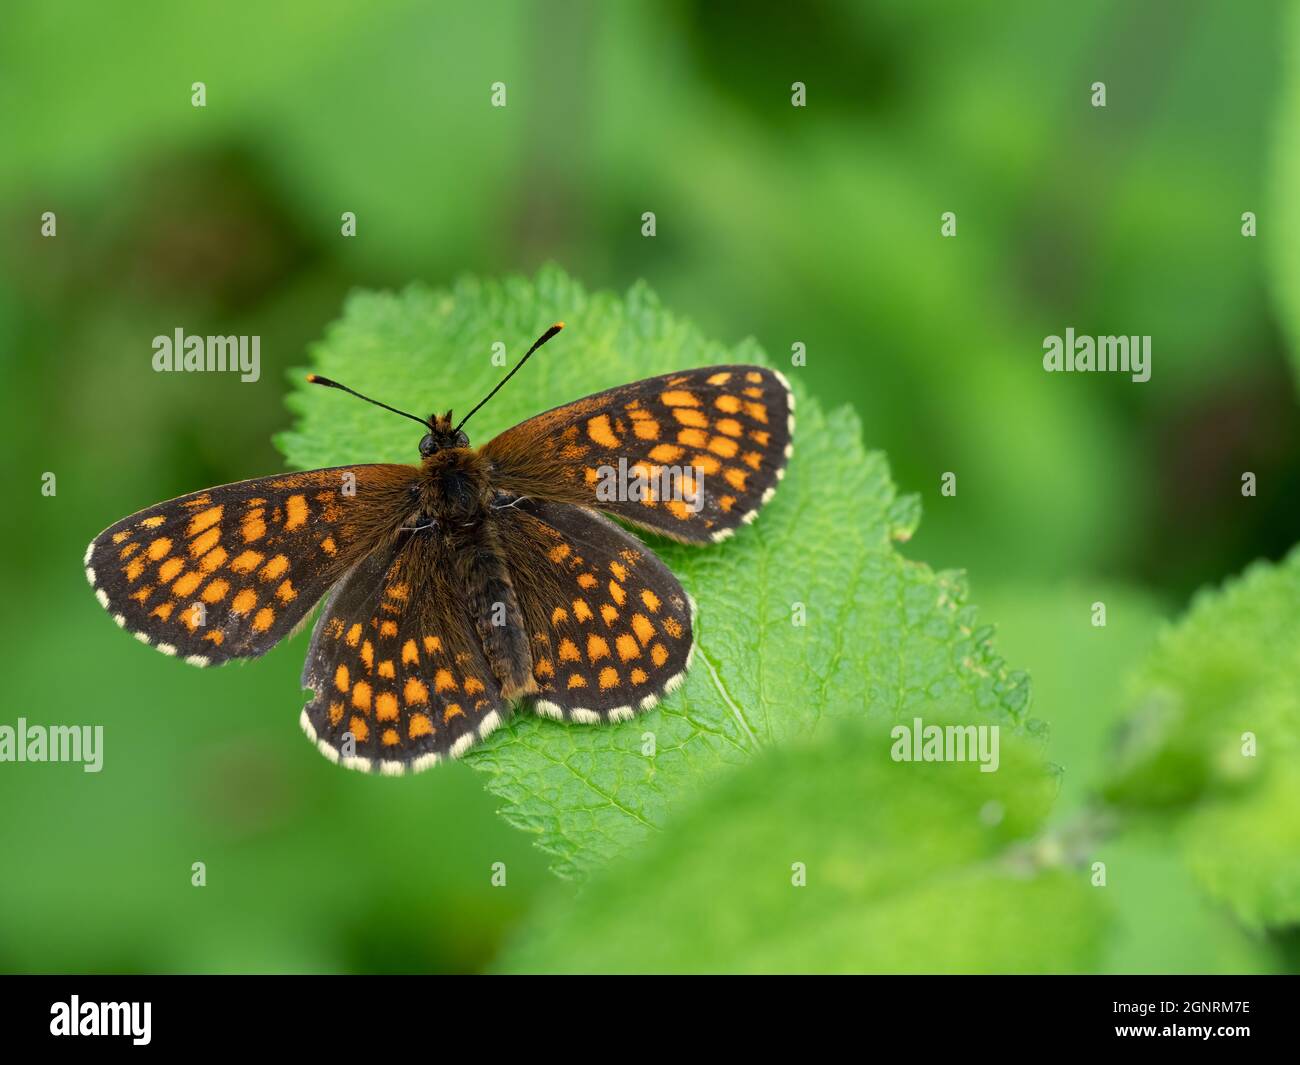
415, 691
354, 635
678, 398
264, 620
359, 729
432, 644
581, 610
244, 601
204, 519
666, 453
443, 681
341, 678
286, 592
386, 668
170, 568
253, 527
645, 428
678, 510
246, 561
724, 446
473, 686
154, 522
608, 678
569, 651
159, 548
719, 378
388, 628
692, 418
273, 569
627, 648
216, 591
597, 648
164, 610
692, 437
599, 430
673, 627
368, 655
336, 712
361, 695
204, 543
609, 614
616, 592
214, 559
386, 706
559, 614
729, 426
639, 676
419, 725
757, 411
577, 680
410, 653
296, 508
185, 585
328, 545
216, 636
558, 553
735, 478
659, 654
650, 599
643, 628
453, 710
727, 404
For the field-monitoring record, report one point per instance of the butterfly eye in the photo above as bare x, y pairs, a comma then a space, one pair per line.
428, 445
461, 439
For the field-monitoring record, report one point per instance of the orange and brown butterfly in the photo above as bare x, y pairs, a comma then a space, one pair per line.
476, 580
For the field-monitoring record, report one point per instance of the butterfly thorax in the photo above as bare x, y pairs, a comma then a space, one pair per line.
455, 487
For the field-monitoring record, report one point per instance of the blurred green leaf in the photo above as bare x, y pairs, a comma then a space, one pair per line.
907, 869
885, 637
1215, 731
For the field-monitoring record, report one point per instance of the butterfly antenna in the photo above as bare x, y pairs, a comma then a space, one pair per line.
536, 344
317, 379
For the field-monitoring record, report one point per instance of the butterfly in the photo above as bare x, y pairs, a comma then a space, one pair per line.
473, 581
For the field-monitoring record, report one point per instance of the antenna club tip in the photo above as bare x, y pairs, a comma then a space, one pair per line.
558, 325
312, 378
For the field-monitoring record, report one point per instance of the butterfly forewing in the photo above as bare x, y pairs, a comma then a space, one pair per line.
228, 572
721, 435
609, 625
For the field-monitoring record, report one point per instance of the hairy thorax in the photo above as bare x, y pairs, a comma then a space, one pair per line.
454, 487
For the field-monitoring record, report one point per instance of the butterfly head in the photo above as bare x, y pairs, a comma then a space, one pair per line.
442, 434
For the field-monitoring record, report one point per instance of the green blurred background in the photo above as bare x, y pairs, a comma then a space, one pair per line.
817, 225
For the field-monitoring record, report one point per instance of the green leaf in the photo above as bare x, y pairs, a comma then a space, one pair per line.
1226, 677
906, 867
884, 637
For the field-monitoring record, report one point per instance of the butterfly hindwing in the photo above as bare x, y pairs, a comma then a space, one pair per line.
398, 671
609, 625
230, 571
728, 428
